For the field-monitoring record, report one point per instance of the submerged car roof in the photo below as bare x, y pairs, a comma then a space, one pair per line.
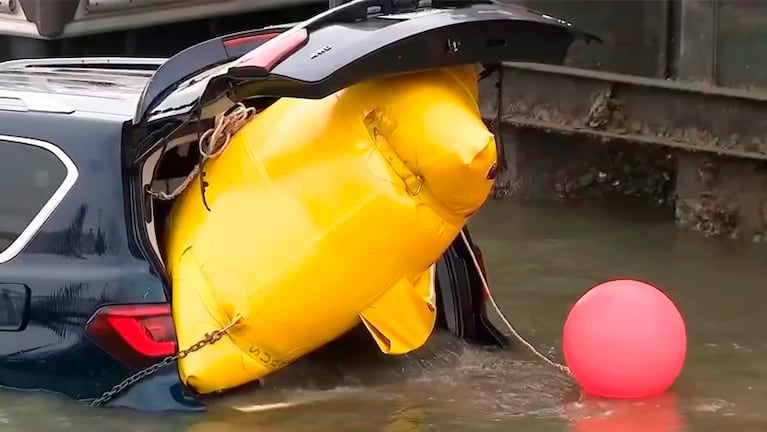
95, 86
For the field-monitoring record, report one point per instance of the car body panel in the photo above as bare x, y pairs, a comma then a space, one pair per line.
90, 252
80, 258
93, 250
158, 392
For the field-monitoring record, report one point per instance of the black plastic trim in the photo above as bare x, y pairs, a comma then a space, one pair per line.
461, 304
355, 44
192, 61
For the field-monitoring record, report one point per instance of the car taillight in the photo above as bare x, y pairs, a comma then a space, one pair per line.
251, 39
261, 60
136, 335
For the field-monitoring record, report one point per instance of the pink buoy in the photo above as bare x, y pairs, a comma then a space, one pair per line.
624, 339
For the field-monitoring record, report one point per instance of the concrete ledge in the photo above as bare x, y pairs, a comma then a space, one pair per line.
715, 187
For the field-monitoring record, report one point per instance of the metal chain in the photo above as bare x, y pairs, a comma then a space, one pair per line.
209, 339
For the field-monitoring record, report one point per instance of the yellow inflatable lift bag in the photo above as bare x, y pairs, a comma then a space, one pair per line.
324, 214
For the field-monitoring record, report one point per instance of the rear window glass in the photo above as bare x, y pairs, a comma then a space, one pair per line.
29, 178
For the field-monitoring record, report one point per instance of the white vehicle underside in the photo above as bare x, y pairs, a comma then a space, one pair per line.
45, 19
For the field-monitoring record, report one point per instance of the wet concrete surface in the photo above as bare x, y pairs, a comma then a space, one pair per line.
540, 259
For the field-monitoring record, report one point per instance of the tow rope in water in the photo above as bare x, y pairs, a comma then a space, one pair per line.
560, 367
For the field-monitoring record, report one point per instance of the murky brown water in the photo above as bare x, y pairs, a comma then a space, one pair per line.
540, 259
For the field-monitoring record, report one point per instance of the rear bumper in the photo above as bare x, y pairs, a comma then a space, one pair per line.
159, 392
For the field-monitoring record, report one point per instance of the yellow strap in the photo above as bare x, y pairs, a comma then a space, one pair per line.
376, 123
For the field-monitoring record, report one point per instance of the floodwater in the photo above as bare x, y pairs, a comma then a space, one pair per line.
540, 259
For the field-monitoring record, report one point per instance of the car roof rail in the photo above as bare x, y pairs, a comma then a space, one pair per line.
142, 63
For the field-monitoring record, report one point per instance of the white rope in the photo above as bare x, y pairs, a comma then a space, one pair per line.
514, 332
212, 143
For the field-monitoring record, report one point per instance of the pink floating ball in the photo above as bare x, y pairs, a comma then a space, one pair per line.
625, 339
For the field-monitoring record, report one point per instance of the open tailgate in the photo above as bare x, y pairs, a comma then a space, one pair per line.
354, 42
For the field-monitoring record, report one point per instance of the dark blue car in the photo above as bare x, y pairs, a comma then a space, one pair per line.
84, 298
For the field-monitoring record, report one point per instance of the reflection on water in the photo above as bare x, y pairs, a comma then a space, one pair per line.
659, 414
540, 259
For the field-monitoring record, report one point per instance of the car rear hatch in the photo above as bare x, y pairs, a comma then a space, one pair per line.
340, 47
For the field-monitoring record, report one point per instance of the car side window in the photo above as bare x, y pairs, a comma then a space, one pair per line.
34, 176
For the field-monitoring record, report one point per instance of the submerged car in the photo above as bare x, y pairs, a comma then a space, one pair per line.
85, 301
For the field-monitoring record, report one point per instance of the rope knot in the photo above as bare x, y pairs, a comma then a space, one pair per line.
212, 143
